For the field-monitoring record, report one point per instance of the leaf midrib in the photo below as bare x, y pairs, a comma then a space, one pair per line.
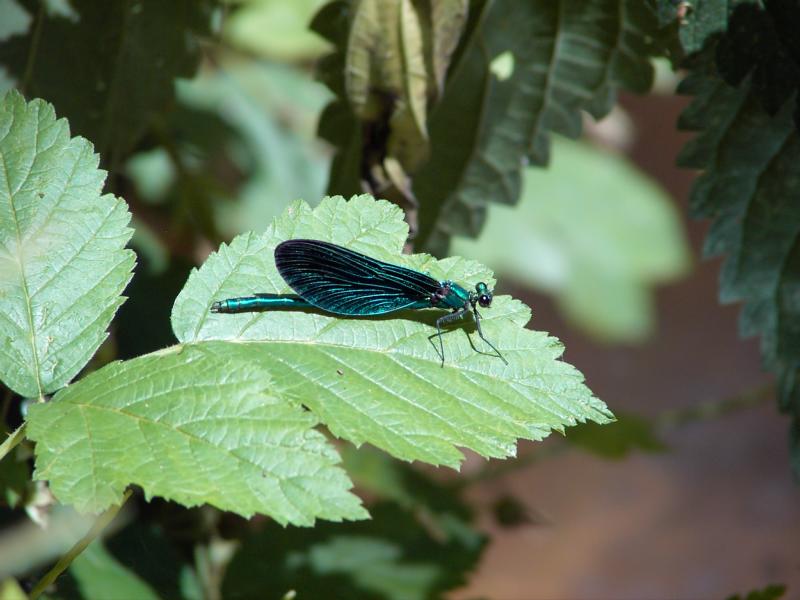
18, 253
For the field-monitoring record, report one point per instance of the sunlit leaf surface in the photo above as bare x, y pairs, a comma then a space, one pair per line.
380, 380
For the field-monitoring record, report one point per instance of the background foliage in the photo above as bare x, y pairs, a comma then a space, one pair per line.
207, 123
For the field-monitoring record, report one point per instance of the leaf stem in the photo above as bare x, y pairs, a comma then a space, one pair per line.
63, 564
705, 411
12, 440
34, 49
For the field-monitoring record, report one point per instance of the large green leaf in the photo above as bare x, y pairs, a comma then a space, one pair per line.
63, 264
195, 424
751, 187
123, 58
380, 380
597, 241
567, 56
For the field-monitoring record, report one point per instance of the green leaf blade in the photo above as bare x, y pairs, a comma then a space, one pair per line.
749, 187
63, 264
195, 424
565, 58
380, 380
107, 100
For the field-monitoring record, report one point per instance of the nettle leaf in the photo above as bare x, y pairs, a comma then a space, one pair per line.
104, 93
195, 424
63, 264
561, 57
597, 242
750, 187
380, 380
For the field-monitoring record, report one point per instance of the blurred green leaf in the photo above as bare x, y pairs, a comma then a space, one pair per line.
195, 424
568, 56
771, 592
379, 380
14, 19
275, 29
272, 113
109, 46
142, 324
399, 553
377, 473
63, 264
617, 440
11, 590
749, 188
15, 477
436, 505
448, 19
510, 512
338, 124
375, 566
146, 547
153, 173
593, 231
27, 546
101, 577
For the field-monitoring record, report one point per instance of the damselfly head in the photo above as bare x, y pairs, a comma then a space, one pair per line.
484, 295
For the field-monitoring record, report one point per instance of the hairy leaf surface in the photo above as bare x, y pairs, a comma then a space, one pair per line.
195, 424
379, 380
63, 264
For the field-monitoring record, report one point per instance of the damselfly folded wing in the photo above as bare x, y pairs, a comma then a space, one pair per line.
345, 282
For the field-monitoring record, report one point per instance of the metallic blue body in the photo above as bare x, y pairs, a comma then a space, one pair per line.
343, 282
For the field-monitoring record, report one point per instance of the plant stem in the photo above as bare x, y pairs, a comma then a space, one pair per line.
34, 49
63, 564
667, 419
705, 411
12, 440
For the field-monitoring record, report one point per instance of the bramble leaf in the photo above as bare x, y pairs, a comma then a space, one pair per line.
195, 424
63, 264
380, 380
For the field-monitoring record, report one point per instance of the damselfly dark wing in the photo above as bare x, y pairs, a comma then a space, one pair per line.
344, 282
